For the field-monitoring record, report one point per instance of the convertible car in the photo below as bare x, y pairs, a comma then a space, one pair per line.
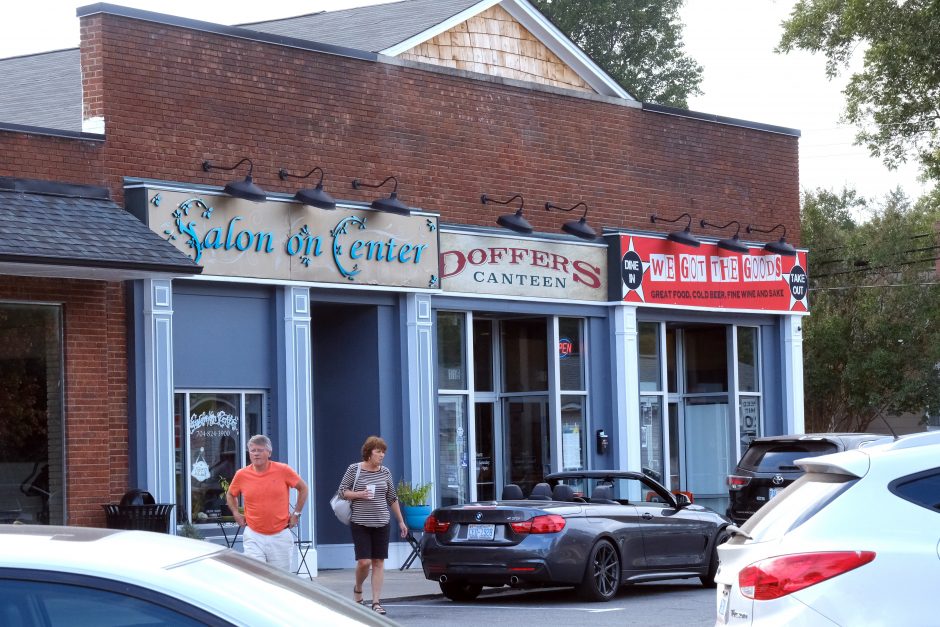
595, 530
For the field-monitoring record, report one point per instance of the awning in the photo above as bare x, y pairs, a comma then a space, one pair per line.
74, 231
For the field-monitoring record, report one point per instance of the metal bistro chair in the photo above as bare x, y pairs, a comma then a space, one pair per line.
303, 546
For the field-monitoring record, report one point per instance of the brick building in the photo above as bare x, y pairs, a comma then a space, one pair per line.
484, 355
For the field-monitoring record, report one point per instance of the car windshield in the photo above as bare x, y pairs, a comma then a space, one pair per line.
777, 457
797, 504
621, 490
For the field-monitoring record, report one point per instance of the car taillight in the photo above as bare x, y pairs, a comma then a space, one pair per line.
433, 525
549, 523
776, 577
736, 482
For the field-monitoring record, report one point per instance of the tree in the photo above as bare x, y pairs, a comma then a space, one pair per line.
637, 42
872, 342
893, 99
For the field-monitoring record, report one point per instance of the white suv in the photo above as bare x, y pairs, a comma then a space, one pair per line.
854, 541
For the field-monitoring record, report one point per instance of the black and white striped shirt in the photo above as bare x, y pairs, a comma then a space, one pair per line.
370, 512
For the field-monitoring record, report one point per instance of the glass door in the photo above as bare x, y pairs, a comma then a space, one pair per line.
526, 450
486, 471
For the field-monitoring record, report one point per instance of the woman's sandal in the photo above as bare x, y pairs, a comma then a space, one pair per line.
378, 609
357, 593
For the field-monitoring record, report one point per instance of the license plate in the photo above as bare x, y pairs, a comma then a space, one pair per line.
772, 492
481, 532
723, 605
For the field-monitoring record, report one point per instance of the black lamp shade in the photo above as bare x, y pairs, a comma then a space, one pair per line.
246, 190
734, 245
315, 197
684, 237
515, 222
780, 247
579, 228
391, 205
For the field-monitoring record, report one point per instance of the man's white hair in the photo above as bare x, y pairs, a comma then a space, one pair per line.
263, 440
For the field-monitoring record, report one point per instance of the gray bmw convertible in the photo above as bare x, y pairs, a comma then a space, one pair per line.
595, 530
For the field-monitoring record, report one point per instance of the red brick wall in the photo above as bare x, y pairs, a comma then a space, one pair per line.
173, 97
95, 387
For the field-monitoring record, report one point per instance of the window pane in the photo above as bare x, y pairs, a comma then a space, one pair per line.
527, 450
486, 447
32, 481
747, 359
650, 364
525, 355
215, 436
254, 422
671, 367
179, 410
651, 437
570, 355
483, 355
573, 433
451, 358
453, 467
706, 360
749, 412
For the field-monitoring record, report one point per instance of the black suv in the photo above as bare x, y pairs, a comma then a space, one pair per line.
768, 466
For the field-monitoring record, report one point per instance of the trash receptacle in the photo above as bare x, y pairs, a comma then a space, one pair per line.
137, 510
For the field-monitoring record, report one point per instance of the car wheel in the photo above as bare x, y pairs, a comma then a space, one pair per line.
602, 573
708, 580
460, 590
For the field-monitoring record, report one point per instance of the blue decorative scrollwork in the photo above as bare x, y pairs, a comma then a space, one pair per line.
431, 226
155, 200
433, 281
342, 229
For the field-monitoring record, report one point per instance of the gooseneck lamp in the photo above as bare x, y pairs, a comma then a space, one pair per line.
733, 243
390, 204
245, 190
780, 247
314, 196
684, 236
578, 228
512, 221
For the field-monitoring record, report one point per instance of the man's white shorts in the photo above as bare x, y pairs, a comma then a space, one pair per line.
275, 549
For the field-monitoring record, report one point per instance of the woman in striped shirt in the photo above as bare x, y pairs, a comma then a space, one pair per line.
368, 484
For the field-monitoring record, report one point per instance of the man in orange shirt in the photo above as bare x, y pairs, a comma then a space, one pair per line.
265, 488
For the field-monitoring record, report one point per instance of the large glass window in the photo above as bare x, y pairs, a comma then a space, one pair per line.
525, 358
451, 351
483, 379
749, 400
453, 468
706, 360
651, 437
212, 433
32, 449
570, 355
650, 363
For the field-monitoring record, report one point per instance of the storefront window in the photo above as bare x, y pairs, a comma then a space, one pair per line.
651, 437
451, 352
483, 379
572, 433
570, 357
215, 431
747, 359
32, 433
650, 364
454, 464
525, 357
706, 360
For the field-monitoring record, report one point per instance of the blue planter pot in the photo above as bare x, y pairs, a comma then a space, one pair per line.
415, 515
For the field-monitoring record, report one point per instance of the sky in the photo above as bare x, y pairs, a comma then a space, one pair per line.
732, 39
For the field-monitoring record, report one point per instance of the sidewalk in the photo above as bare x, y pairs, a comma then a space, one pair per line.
398, 585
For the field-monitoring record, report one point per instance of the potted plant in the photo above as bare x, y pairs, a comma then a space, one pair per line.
413, 499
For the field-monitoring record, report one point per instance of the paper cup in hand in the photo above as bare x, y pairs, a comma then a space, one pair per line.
371, 489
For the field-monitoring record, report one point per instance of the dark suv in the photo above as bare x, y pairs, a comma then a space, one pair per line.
768, 466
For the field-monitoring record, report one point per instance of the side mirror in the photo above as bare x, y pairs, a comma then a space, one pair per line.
684, 499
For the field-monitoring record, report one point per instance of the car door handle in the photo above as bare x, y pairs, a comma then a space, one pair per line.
647, 516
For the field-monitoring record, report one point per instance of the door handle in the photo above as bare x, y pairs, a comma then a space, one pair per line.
647, 516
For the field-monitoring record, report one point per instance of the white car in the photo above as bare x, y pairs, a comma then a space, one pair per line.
79, 576
854, 541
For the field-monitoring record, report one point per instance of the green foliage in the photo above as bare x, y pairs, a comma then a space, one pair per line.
893, 98
637, 42
872, 342
188, 530
412, 495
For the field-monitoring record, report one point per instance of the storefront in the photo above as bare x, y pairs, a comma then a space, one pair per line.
305, 326
522, 360
718, 355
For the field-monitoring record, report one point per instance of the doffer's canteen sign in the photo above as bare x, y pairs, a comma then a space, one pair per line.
656, 271
287, 240
485, 264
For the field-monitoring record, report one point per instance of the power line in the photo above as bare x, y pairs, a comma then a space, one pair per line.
868, 287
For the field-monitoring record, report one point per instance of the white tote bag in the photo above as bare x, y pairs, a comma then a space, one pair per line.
341, 507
